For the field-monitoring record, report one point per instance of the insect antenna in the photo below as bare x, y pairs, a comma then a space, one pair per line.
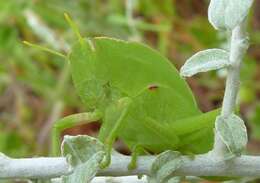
74, 27
42, 48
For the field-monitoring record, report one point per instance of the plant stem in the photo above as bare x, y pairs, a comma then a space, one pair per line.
130, 19
33, 167
128, 179
200, 165
238, 48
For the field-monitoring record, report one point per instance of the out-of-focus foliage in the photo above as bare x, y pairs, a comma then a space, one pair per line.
35, 88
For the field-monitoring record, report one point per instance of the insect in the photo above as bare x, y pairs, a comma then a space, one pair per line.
138, 96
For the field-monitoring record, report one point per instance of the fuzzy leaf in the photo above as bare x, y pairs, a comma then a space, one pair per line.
56, 180
204, 61
164, 166
3, 160
84, 153
40, 181
227, 14
232, 131
175, 180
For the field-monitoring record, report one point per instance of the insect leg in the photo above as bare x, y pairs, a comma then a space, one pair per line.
68, 122
137, 150
111, 128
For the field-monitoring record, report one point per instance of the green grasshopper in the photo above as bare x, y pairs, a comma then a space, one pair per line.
138, 96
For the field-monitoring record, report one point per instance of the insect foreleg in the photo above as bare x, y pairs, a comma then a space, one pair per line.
68, 122
111, 128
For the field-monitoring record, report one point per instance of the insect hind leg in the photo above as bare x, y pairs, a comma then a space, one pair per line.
68, 122
113, 122
137, 150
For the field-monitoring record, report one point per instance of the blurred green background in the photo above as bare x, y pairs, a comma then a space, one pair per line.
36, 88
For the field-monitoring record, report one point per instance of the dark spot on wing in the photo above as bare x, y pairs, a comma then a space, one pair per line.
153, 87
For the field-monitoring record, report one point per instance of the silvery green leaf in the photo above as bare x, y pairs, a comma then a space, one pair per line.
80, 148
227, 14
3, 160
40, 181
175, 180
85, 172
204, 61
84, 153
56, 180
232, 131
164, 166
